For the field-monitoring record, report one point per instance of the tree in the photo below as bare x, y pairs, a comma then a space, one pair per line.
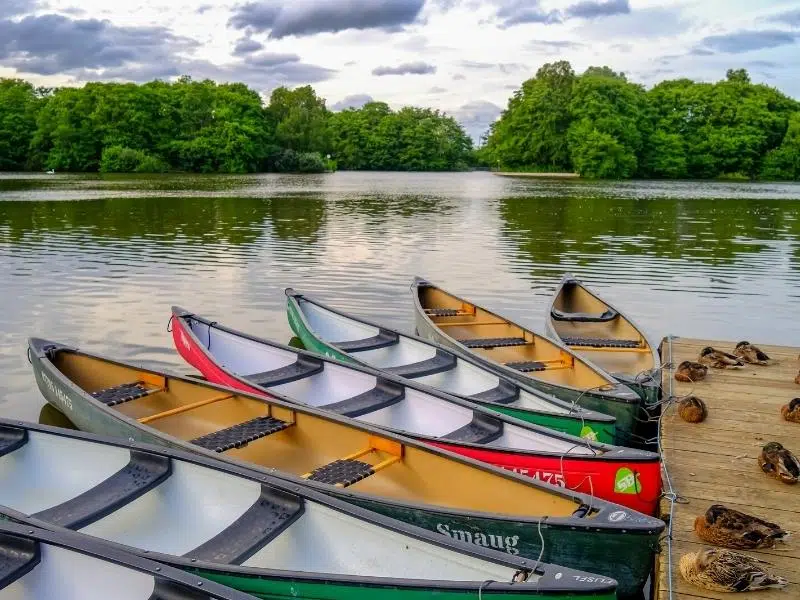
300, 119
19, 106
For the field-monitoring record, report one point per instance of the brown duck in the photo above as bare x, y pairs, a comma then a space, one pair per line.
717, 359
689, 371
730, 528
751, 354
791, 411
722, 570
692, 409
797, 379
777, 461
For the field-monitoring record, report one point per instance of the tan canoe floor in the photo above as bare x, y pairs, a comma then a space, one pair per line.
715, 462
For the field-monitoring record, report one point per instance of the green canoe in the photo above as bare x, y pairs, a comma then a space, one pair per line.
331, 332
247, 530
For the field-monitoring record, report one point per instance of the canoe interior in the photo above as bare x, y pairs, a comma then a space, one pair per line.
332, 386
471, 322
465, 379
194, 504
574, 298
69, 575
188, 410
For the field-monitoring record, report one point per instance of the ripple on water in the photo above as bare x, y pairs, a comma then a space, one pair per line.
98, 263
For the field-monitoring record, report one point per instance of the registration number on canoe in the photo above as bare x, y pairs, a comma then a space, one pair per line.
546, 476
585, 579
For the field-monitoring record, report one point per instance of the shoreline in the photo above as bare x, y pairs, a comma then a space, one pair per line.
539, 175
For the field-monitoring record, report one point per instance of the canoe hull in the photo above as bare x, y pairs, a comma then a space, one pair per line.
635, 485
600, 431
624, 412
623, 554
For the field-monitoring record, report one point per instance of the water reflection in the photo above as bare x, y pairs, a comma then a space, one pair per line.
98, 261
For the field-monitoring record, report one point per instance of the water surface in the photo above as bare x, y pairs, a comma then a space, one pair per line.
97, 262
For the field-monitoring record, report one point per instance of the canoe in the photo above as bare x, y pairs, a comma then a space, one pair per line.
594, 329
522, 354
331, 332
37, 564
252, 532
626, 476
372, 468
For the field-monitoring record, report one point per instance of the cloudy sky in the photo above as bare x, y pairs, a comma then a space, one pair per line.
463, 56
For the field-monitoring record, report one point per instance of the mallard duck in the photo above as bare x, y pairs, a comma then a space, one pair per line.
791, 411
777, 461
729, 528
751, 354
692, 409
717, 359
690, 371
722, 570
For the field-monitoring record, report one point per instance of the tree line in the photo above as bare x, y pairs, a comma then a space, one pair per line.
601, 125
203, 127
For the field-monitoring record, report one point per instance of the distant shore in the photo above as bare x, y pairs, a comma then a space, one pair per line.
539, 175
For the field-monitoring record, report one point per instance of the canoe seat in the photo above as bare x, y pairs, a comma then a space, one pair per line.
144, 472
342, 473
303, 367
505, 393
241, 434
442, 361
267, 518
579, 317
11, 438
18, 556
601, 342
493, 342
526, 366
383, 395
382, 340
123, 393
481, 430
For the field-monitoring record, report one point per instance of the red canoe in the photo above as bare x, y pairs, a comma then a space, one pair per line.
223, 355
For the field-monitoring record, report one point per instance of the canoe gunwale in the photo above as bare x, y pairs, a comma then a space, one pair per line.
641, 378
607, 395
234, 469
602, 450
117, 554
642, 525
574, 412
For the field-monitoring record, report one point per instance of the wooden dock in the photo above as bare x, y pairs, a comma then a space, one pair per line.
716, 461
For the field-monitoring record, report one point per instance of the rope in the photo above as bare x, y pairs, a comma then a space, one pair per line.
669, 494
169, 324
483, 585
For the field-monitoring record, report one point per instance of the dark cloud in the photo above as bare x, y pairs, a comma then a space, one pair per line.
519, 12
247, 46
12, 8
553, 47
353, 101
284, 18
789, 17
475, 117
459, 77
412, 68
203, 8
50, 44
747, 41
90, 49
604, 8
701, 52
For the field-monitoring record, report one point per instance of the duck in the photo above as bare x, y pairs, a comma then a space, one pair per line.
779, 462
692, 409
721, 570
729, 528
690, 371
751, 354
797, 379
791, 411
717, 359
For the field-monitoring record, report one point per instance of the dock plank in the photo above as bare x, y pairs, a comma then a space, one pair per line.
714, 462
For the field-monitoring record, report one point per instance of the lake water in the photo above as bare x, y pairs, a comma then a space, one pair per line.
97, 262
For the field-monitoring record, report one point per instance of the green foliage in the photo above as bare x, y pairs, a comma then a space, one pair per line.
411, 139
121, 159
19, 106
679, 128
